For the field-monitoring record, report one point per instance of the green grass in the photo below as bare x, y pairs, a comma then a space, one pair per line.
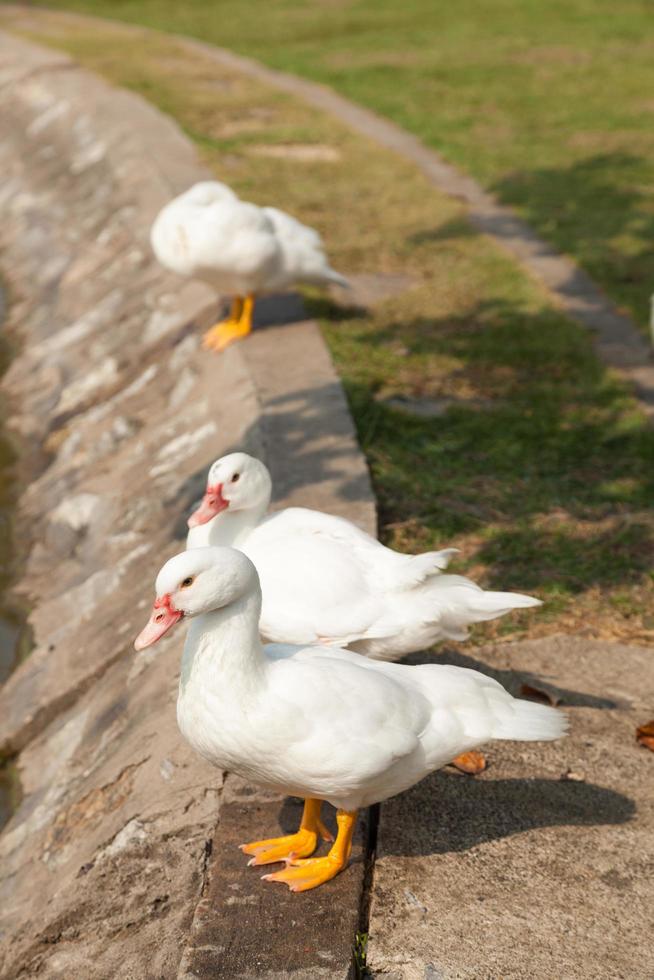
359, 955
540, 470
549, 104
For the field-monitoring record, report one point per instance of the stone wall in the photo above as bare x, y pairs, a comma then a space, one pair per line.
118, 414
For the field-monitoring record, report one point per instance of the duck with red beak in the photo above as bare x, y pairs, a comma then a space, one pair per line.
322, 724
213, 503
164, 616
324, 580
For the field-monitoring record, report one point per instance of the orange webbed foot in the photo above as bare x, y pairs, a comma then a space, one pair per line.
235, 327
299, 845
222, 335
300, 876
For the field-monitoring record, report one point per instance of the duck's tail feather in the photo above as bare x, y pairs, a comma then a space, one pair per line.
462, 603
322, 277
526, 721
336, 278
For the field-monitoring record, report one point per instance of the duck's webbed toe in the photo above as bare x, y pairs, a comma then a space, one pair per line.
292, 846
235, 327
300, 875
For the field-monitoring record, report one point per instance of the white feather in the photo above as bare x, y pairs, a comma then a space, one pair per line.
326, 581
328, 723
238, 248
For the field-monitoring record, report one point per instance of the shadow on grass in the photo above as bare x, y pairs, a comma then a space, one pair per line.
595, 210
550, 474
325, 308
457, 228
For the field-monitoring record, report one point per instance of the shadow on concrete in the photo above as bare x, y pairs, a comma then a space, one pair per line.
448, 812
322, 307
305, 424
284, 308
277, 309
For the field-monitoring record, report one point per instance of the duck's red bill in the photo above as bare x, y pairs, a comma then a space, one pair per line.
212, 503
162, 619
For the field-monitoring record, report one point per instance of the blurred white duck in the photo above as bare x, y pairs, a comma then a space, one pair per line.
326, 581
239, 249
322, 724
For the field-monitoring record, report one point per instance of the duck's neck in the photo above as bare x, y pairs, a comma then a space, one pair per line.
223, 650
232, 527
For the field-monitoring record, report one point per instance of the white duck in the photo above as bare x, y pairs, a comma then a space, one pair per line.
239, 249
326, 581
322, 724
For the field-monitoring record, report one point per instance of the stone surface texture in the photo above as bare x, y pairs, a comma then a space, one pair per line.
542, 865
105, 864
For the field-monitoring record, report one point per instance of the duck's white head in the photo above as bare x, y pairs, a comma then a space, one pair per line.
195, 582
237, 482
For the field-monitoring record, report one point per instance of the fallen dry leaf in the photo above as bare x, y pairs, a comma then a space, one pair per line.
645, 735
470, 762
538, 694
574, 777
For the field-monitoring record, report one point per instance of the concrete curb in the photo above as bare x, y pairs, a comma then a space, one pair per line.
106, 860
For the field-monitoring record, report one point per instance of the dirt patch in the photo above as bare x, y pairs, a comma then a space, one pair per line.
304, 153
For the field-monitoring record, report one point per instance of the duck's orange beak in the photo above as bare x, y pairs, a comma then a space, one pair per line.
212, 503
162, 619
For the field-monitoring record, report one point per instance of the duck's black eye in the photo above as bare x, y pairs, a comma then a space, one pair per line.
189, 580
235, 477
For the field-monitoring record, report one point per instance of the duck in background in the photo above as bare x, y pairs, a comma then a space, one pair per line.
239, 249
325, 581
320, 723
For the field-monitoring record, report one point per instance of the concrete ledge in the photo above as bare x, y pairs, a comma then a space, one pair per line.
539, 867
105, 862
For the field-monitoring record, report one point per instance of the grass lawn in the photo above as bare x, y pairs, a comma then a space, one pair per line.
549, 104
540, 470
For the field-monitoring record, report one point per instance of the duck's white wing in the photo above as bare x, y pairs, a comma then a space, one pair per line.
303, 251
324, 580
390, 570
235, 238
301, 520
314, 572
224, 241
291, 230
338, 720
369, 730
